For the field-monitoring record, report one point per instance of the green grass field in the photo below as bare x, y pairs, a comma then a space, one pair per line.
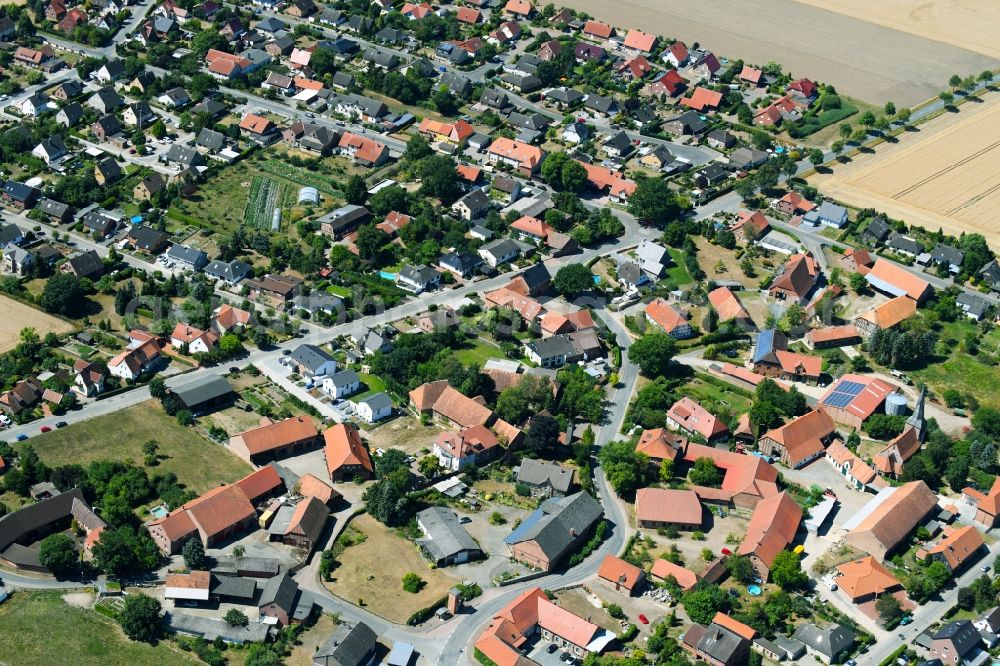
41, 628
198, 464
477, 352
374, 384
677, 273
705, 392
962, 372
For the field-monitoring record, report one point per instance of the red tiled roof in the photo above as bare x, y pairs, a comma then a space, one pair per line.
665, 315
803, 437
886, 271
597, 29
684, 577
640, 41
660, 444
277, 435
703, 98
668, 506
750, 74
343, 447
617, 570
693, 417
771, 528
221, 511
265, 481
865, 577
734, 626
727, 304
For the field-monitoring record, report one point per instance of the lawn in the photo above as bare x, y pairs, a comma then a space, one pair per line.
40, 628
380, 587
677, 273
964, 373
705, 392
373, 385
476, 352
198, 464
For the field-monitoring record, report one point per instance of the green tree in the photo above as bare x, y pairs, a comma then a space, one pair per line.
889, 109
194, 554
236, 618
653, 203
429, 466
543, 433
816, 157
741, 568
207, 40
417, 148
57, 553
140, 618
653, 353
888, 608
356, 190
947, 97
573, 176
705, 473
786, 571
390, 461
158, 129
573, 279
63, 294
413, 583
703, 601
858, 283
624, 468
438, 178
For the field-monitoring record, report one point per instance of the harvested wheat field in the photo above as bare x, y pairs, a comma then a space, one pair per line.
947, 175
967, 24
862, 59
17, 315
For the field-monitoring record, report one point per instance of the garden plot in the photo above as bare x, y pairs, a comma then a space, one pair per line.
265, 197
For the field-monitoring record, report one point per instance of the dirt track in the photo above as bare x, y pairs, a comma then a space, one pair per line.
861, 59
947, 175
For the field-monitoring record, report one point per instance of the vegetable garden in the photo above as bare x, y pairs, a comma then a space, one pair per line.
264, 198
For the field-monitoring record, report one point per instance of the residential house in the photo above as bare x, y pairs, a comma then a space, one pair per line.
70, 115
865, 580
51, 150
719, 644
886, 316
688, 416
584, 53
341, 221
149, 186
347, 646
107, 171
957, 642
187, 258
84, 265
750, 226
637, 41
20, 195
669, 84
853, 398
363, 151
445, 541
959, 547
703, 100
523, 157
226, 318
342, 384
230, 272
544, 479
827, 213
282, 600
728, 306
474, 445
106, 126
418, 279
194, 340
147, 239
374, 408
500, 251
445, 403
669, 319
801, 440
946, 255
621, 575
772, 359
827, 643
311, 361
688, 123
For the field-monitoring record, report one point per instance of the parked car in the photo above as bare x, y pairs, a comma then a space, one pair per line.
61, 424
45, 429
643, 619
22, 437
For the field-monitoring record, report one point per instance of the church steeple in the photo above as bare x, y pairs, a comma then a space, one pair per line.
917, 420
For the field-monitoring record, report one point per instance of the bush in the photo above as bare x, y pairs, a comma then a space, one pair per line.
497, 518
615, 611
413, 583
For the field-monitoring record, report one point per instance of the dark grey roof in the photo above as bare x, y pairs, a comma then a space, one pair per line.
377, 401
212, 107
50, 207
599, 103
346, 216
114, 68
501, 247
203, 389
234, 587
185, 155
535, 121
418, 274
72, 112
974, 305
963, 635
187, 254
390, 35
311, 357
210, 628
446, 537
381, 58
561, 521
905, 244
495, 98
538, 472
565, 95
146, 238
620, 141
273, 24
17, 524
878, 228
991, 272
536, 276
692, 121
281, 590
109, 124
87, 263
105, 99
347, 646
342, 79
475, 199
946, 254
9, 233
456, 83
461, 261
231, 271
109, 168
720, 643
209, 138
19, 191
344, 378
829, 641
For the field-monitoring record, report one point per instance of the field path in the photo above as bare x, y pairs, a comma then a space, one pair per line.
945, 176
862, 59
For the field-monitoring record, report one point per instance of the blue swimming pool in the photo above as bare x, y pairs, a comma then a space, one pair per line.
385, 275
